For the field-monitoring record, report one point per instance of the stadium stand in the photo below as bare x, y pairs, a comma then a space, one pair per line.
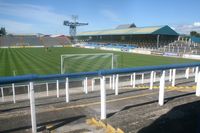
182, 47
33, 40
158, 40
9, 40
49, 41
143, 37
110, 46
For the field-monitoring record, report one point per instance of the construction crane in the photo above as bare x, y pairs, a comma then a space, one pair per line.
73, 25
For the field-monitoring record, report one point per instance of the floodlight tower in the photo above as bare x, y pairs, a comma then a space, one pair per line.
72, 26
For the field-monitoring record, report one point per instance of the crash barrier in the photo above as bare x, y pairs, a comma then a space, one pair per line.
102, 75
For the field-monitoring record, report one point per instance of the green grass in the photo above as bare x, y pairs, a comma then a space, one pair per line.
84, 63
39, 61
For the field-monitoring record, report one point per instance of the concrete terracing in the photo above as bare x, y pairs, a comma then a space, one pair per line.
133, 110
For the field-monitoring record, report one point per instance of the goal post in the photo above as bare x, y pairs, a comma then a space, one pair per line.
72, 63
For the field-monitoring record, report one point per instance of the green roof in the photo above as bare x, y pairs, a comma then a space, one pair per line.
162, 30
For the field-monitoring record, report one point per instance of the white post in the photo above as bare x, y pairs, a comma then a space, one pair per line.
162, 89
85, 86
61, 65
142, 81
131, 83
187, 72
28, 91
57, 87
93, 82
196, 73
113, 82
47, 89
117, 84
170, 74
103, 98
67, 90
110, 79
2, 94
32, 105
13, 90
198, 85
193, 69
134, 78
151, 80
154, 77
173, 77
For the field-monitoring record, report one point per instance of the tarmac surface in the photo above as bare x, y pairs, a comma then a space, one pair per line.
133, 110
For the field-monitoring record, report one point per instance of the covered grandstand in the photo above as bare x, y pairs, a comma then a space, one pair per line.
148, 37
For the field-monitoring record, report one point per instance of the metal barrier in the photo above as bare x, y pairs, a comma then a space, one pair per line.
102, 74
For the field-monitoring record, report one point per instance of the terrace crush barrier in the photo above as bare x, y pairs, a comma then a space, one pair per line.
113, 75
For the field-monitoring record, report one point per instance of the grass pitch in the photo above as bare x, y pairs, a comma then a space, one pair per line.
19, 61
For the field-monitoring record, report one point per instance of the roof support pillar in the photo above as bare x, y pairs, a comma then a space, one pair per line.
158, 40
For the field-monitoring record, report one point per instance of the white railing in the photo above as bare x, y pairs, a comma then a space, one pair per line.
112, 75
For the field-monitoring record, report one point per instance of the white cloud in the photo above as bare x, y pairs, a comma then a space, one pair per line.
187, 28
32, 12
172, 27
110, 15
17, 27
31, 17
196, 24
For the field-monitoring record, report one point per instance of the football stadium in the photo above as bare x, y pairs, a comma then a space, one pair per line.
124, 79
41, 55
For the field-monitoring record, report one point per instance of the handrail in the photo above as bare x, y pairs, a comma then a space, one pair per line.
101, 74
35, 77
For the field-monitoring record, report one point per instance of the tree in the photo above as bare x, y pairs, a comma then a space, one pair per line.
194, 33
2, 31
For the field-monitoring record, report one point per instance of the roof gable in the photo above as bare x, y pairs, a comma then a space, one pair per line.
165, 30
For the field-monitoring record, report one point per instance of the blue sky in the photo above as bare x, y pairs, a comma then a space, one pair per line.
46, 16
